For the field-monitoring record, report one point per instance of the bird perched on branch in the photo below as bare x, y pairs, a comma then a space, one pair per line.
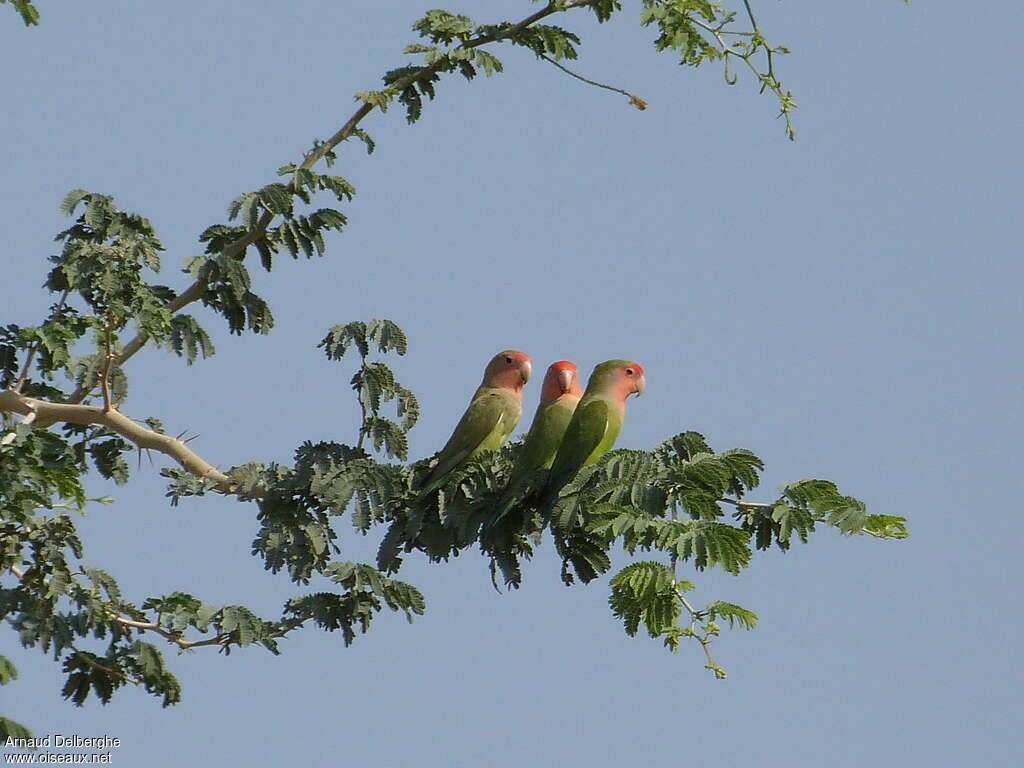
559, 394
595, 424
490, 418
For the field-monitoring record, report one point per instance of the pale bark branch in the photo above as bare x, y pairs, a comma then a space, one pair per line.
44, 414
107, 360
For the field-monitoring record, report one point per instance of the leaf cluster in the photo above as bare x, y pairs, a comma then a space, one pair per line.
375, 384
29, 14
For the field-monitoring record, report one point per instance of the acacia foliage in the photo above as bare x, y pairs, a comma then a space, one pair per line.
681, 502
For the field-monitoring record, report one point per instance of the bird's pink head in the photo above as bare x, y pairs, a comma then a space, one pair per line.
562, 378
509, 369
621, 377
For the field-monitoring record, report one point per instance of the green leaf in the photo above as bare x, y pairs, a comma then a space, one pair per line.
276, 198
645, 592
364, 137
387, 335
707, 543
241, 624
381, 99
886, 526
8, 671
10, 729
847, 514
188, 339
443, 27
340, 337
791, 519
733, 613
107, 455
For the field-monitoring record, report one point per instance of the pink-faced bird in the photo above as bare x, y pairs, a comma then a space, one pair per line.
595, 424
490, 418
559, 394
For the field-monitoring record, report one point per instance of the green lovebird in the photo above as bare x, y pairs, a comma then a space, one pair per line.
559, 395
490, 418
595, 424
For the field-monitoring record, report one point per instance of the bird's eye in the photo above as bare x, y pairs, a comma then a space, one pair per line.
508, 360
629, 371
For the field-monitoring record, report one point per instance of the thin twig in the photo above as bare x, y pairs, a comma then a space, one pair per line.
149, 626
741, 505
34, 349
105, 376
635, 100
152, 626
696, 616
757, 35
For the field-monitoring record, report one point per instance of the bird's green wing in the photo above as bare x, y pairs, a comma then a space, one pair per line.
546, 433
589, 435
483, 424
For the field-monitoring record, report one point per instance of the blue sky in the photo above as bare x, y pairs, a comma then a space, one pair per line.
847, 306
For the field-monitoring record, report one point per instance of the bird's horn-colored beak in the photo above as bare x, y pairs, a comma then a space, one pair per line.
526, 370
565, 378
641, 384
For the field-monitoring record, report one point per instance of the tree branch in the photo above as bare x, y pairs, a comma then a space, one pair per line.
742, 506
107, 360
635, 100
705, 643
152, 626
45, 414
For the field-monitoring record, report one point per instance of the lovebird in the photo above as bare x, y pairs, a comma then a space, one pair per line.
490, 418
559, 394
595, 424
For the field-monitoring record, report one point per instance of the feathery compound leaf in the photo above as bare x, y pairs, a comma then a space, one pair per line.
189, 340
241, 625
367, 140
586, 551
341, 187
72, 199
277, 198
340, 337
443, 27
385, 433
886, 526
707, 543
743, 466
488, 62
847, 514
628, 477
683, 446
645, 592
789, 519
547, 40
30, 15
379, 99
8, 671
604, 9
387, 335
10, 729
107, 455
733, 613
